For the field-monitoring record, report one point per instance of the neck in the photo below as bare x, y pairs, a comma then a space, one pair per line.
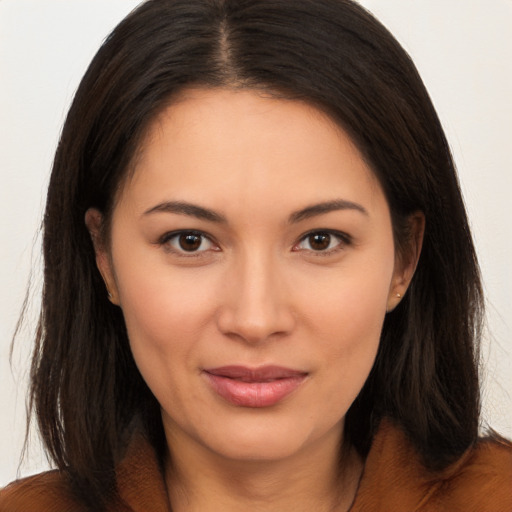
319, 480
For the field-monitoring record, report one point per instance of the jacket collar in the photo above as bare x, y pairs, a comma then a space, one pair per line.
140, 478
393, 474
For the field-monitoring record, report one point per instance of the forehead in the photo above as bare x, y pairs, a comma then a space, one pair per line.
244, 145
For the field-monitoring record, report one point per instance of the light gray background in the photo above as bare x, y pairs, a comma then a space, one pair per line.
463, 50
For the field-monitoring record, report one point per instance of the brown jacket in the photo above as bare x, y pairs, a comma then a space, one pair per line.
393, 481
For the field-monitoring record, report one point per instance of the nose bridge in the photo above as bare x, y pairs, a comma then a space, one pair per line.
257, 305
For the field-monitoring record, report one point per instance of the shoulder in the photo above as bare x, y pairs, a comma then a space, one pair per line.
395, 479
46, 492
139, 484
481, 480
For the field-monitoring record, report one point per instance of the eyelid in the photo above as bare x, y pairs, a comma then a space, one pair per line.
166, 238
344, 240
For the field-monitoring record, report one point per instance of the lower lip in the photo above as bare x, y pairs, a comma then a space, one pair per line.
254, 394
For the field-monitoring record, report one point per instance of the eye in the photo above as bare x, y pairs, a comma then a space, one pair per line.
322, 241
188, 242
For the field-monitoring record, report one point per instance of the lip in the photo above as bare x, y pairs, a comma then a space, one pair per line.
254, 387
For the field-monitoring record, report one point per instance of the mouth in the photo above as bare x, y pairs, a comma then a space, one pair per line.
254, 387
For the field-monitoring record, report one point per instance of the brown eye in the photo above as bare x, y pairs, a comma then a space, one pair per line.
323, 242
190, 242
319, 241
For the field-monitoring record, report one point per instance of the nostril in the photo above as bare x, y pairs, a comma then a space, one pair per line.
253, 328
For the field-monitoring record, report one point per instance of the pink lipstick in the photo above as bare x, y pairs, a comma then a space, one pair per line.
258, 387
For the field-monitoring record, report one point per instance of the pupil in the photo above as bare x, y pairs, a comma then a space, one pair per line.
320, 241
190, 242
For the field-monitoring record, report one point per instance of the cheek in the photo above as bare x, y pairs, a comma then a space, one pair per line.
345, 316
349, 344
165, 312
350, 329
351, 299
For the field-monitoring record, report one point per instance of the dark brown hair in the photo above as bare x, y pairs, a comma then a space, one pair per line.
86, 390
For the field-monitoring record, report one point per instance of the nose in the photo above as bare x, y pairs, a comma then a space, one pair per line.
256, 304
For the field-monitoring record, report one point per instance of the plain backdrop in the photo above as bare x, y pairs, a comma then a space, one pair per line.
463, 50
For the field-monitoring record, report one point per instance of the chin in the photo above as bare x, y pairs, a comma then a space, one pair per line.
264, 440
262, 448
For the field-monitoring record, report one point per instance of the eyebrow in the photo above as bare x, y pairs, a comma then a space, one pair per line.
189, 209
199, 212
323, 208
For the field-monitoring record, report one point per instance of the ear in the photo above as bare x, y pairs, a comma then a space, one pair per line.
94, 223
406, 260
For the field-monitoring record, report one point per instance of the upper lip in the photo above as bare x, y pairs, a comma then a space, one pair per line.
260, 374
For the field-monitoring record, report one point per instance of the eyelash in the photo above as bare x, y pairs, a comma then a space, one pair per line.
166, 240
343, 241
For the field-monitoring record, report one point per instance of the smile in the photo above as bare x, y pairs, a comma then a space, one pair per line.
260, 387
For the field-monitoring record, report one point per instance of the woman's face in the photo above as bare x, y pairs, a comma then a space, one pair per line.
252, 256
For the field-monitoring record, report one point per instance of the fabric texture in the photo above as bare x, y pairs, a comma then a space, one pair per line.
393, 480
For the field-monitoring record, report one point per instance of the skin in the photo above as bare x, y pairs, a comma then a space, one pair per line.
257, 291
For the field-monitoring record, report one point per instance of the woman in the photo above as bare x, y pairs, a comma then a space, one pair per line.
260, 287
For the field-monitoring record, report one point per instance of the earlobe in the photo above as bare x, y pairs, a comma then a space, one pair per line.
407, 260
94, 223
